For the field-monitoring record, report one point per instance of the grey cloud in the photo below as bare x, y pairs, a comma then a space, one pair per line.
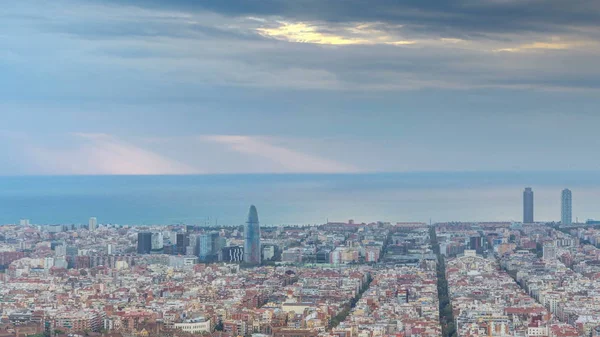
152, 51
452, 18
148, 29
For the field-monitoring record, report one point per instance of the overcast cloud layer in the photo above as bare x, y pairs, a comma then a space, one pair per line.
179, 87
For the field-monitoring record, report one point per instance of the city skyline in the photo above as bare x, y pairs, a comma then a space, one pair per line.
565, 216
412, 266
206, 244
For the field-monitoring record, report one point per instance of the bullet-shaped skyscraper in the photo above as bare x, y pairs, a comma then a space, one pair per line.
528, 205
252, 238
566, 210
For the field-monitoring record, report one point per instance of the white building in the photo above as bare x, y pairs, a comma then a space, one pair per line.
549, 251
93, 224
157, 241
60, 250
268, 252
48, 262
196, 325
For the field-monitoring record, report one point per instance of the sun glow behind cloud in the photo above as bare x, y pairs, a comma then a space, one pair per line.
301, 32
555, 44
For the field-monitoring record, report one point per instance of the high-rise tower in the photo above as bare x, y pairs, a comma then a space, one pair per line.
92, 224
183, 240
566, 217
208, 245
157, 245
528, 205
144, 244
252, 238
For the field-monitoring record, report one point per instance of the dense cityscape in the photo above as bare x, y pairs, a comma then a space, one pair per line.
342, 279
299, 168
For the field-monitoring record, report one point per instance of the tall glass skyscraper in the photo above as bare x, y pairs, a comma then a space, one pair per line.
208, 246
252, 238
144, 244
566, 217
528, 205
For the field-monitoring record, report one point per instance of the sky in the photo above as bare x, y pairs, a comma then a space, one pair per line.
304, 86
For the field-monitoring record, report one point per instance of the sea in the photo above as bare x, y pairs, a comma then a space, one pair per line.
294, 199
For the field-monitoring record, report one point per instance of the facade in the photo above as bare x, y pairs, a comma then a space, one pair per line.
76, 321
194, 326
183, 240
144, 244
157, 242
252, 238
372, 253
268, 252
528, 205
549, 252
475, 243
292, 255
93, 224
232, 254
323, 256
208, 246
566, 217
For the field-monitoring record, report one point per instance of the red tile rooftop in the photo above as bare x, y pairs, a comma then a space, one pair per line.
521, 311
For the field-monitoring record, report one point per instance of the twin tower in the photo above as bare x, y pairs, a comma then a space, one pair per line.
566, 207
252, 238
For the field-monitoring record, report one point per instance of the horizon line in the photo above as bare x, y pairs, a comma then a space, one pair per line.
591, 171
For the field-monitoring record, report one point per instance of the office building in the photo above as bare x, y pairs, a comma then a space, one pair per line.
60, 250
268, 252
209, 245
475, 243
204, 246
528, 205
157, 243
252, 238
323, 256
93, 224
232, 254
183, 241
566, 217
144, 244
